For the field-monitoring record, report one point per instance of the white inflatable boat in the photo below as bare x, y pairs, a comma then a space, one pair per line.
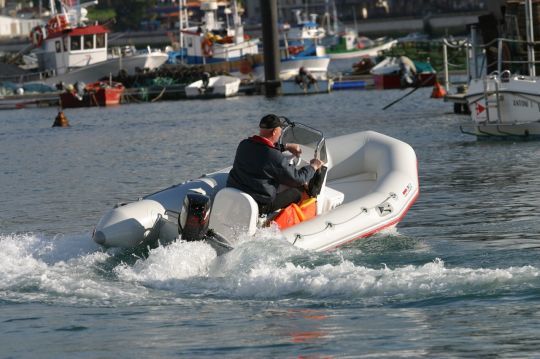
369, 182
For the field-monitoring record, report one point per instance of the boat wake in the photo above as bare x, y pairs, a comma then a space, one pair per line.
72, 270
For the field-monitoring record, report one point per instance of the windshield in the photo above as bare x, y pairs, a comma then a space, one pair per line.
308, 137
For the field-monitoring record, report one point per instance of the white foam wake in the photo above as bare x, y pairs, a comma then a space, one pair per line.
70, 270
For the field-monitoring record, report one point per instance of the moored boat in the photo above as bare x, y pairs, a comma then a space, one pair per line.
100, 93
368, 183
213, 41
401, 72
69, 48
217, 86
503, 104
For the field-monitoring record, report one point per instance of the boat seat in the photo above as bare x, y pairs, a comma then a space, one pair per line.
329, 199
233, 213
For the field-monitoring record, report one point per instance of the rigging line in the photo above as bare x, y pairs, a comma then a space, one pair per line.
330, 224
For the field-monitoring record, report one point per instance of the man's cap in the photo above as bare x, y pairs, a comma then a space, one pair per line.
271, 121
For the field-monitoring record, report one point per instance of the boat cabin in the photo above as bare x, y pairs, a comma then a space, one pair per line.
73, 48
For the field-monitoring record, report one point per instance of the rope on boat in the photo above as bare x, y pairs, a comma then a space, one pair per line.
329, 224
159, 96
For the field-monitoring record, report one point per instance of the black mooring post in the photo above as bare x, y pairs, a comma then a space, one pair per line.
272, 84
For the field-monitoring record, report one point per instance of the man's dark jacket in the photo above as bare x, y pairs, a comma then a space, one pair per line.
259, 169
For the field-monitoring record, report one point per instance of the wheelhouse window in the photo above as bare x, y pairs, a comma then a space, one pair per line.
100, 40
75, 43
88, 41
58, 46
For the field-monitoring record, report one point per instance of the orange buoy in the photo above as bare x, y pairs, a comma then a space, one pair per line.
438, 90
61, 120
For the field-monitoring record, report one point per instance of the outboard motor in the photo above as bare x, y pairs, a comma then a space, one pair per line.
194, 217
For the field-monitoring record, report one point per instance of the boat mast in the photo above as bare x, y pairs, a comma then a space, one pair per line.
53, 7
530, 37
180, 26
334, 15
238, 30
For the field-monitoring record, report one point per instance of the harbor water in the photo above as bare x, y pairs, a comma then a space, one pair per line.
458, 277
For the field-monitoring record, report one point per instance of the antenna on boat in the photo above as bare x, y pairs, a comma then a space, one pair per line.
238, 30
530, 37
52, 7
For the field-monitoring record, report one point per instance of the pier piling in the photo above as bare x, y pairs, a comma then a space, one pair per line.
272, 84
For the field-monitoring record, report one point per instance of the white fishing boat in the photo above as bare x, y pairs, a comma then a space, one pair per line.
305, 29
217, 86
502, 104
214, 41
368, 183
70, 49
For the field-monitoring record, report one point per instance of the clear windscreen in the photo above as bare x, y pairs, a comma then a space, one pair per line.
307, 137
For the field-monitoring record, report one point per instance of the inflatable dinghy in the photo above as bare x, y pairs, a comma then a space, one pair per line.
368, 183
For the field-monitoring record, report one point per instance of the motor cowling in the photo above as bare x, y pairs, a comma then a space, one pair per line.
194, 217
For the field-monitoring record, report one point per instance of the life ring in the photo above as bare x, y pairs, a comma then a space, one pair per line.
207, 47
36, 36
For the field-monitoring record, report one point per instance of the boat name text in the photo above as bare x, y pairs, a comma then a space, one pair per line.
521, 103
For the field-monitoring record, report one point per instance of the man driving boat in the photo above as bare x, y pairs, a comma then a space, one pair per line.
260, 167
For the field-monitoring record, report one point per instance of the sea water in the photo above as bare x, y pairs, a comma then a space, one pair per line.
458, 277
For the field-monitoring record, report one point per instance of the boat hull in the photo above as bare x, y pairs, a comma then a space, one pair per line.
504, 108
218, 87
393, 81
97, 94
292, 87
95, 72
526, 131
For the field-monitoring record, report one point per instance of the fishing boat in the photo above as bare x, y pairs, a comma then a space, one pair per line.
214, 41
503, 104
310, 59
368, 183
303, 38
217, 86
99, 93
69, 49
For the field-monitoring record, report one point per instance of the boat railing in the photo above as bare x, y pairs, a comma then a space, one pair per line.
29, 77
511, 54
504, 54
492, 96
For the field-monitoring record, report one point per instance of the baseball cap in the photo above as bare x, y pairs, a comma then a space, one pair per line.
271, 121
